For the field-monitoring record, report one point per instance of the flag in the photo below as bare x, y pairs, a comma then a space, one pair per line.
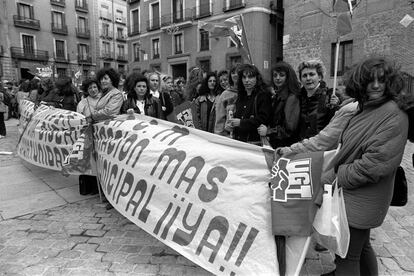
344, 5
232, 27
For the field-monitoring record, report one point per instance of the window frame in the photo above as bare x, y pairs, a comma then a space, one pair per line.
344, 61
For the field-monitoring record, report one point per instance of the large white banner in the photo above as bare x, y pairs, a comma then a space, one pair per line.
206, 196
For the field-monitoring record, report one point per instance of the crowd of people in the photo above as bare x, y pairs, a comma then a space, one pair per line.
296, 113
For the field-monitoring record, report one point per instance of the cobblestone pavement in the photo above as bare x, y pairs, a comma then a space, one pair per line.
84, 238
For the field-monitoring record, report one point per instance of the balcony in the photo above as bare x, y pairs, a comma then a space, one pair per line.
107, 55
233, 5
106, 35
105, 15
61, 58
83, 33
202, 11
121, 38
26, 22
185, 16
81, 6
155, 56
153, 24
60, 3
133, 30
84, 59
120, 20
29, 54
121, 58
59, 29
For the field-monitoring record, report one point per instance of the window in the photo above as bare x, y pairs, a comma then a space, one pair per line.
61, 72
106, 47
28, 44
156, 48
83, 51
155, 8
107, 65
25, 11
345, 57
178, 42
178, 10
235, 60
120, 33
60, 48
204, 40
105, 30
80, 3
204, 8
58, 20
136, 51
82, 24
234, 4
135, 22
121, 50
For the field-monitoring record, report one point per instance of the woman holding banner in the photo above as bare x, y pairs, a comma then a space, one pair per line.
253, 105
139, 98
373, 144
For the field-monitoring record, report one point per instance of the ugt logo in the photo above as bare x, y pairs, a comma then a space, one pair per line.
291, 179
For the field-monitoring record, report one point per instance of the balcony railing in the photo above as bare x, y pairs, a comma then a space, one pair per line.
83, 33
84, 59
121, 57
106, 35
153, 24
62, 58
26, 22
133, 30
202, 11
59, 29
121, 37
233, 5
81, 6
107, 55
105, 15
29, 54
60, 3
185, 15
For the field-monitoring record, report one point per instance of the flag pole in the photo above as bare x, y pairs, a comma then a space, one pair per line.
247, 43
336, 64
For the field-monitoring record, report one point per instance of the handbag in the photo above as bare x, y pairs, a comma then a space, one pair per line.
330, 223
399, 196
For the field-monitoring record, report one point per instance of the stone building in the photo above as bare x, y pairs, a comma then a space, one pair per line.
164, 35
65, 37
310, 32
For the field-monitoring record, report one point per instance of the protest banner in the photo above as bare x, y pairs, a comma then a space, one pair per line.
204, 195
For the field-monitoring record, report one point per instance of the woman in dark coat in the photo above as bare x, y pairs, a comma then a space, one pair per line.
253, 105
139, 97
205, 102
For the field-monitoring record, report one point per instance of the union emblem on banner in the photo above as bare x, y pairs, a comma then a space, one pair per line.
292, 179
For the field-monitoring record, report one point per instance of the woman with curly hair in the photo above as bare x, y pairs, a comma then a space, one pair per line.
110, 102
253, 105
139, 98
283, 127
372, 148
205, 101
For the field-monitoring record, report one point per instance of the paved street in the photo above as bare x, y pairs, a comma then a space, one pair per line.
47, 228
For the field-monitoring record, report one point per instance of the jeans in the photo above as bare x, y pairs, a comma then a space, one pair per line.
361, 259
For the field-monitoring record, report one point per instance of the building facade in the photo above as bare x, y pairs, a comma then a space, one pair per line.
164, 35
310, 32
69, 38
111, 29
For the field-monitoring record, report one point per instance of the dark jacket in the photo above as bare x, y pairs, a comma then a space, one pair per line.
252, 111
315, 112
152, 106
283, 127
205, 113
372, 148
166, 101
